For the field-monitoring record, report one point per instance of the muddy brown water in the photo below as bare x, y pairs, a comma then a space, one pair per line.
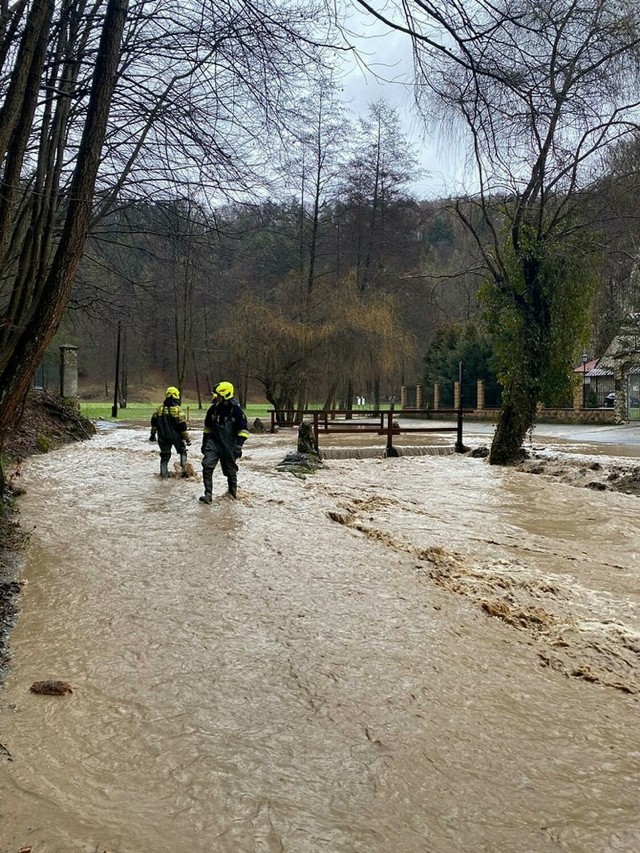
417, 655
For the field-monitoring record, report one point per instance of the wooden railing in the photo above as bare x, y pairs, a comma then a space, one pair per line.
364, 421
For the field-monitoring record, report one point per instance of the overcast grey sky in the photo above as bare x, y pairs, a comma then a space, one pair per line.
385, 69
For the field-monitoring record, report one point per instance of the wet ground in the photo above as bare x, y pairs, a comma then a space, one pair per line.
417, 654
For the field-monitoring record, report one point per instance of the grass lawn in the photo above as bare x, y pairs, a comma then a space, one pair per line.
142, 411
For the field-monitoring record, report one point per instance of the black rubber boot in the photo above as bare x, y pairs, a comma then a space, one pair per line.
233, 486
164, 469
207, 479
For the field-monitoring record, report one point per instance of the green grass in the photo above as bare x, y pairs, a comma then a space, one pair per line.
143, 411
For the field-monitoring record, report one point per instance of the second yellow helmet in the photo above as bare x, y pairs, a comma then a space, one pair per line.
224, 390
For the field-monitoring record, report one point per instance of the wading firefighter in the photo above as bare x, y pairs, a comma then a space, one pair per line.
169, 422
225, 431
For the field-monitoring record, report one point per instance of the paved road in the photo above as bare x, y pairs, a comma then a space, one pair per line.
606, 439
627, 434
609, 439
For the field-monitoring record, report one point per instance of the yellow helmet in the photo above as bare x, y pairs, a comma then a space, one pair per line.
224, 390
172, 392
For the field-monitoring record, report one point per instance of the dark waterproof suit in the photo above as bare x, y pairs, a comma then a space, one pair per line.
170, 423
225, 431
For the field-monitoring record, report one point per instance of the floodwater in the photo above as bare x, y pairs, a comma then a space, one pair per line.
416, 655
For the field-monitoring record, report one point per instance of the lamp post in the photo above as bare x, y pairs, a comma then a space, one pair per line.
459, 446
114, 408
585, 359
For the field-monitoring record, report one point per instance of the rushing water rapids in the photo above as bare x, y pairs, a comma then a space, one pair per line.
415, 655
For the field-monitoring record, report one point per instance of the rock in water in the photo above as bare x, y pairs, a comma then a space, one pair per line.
51, 688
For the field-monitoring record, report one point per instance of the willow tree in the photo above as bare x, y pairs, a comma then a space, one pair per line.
278, 347
331, 343
368, 344
539, 92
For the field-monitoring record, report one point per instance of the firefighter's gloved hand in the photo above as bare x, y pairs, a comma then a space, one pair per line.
237, 453
152, 437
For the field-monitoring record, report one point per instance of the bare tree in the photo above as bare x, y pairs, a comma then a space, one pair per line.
311, 167
539, 91
374, 200
109, 100
40, 270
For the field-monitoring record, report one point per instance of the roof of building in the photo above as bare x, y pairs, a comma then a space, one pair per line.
585, 368
605, 371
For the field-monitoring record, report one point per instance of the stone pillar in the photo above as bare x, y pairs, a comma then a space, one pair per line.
436, 396
69, 372
577, 398
480, 395
620, 376
403, 396
418, 396
456, 395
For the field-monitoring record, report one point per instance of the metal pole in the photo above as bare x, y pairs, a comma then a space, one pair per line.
114, 408
459, 448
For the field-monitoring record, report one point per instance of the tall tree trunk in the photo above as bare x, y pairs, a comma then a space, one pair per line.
196, 376
522, 393
518, 412
37, 327
330, 398
19, 108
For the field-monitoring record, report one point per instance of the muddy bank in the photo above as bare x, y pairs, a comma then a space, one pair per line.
46, 423
600, 476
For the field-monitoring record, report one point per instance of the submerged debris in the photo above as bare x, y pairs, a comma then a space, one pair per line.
596, 476
305, 459
300, 463
480, 452
51, 688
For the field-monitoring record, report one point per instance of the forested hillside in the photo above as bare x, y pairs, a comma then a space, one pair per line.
344, 294
333, 290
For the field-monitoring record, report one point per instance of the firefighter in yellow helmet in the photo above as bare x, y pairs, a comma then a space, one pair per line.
169, 423
225, 431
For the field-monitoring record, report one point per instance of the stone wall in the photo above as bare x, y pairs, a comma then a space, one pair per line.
576, 415
550, 416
